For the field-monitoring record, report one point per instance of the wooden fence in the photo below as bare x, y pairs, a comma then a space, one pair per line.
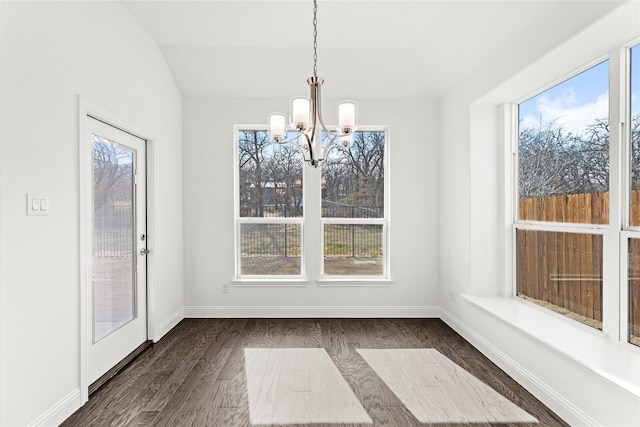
587, 208
565, 269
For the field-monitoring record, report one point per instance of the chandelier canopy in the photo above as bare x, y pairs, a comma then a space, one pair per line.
305, 117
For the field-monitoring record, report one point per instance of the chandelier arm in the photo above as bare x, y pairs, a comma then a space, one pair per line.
288, 141
330, 146
298, 147
311, 158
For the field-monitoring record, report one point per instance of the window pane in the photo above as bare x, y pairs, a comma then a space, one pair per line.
634, 291
563, 151
270, 249
562, 272
114, 260
353, 179
270, 177
635, 136
353, 250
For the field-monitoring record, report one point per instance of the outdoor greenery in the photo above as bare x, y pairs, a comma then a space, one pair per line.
554, 162
355, 178
271, 177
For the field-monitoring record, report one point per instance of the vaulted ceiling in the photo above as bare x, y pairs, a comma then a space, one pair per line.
366, 49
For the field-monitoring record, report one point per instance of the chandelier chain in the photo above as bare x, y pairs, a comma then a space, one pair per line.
315, 38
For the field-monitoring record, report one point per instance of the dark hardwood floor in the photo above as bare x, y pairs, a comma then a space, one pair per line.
195, 375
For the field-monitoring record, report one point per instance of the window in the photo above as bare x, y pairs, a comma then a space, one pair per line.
563, 178
353, 214
348, 220
634, 243
270, 207
576, 228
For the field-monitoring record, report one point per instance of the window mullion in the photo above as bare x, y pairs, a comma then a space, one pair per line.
611, 289
312, 228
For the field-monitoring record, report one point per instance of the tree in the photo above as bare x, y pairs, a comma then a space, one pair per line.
112, 172
367, 166
270, 174
555, 162
251, 146
635, 152
354, 178
112, 184
285, 171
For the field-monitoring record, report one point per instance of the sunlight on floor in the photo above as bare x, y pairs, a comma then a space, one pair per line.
298, 386
303, 386
436, 390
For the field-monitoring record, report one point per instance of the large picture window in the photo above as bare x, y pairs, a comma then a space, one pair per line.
275, 220
353, 214
270, 206
577, 222
563, 178
634, 208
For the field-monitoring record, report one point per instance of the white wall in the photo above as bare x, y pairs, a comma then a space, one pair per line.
473, 224
51, 53
209, 238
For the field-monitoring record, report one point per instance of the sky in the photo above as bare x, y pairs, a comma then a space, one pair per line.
577, 102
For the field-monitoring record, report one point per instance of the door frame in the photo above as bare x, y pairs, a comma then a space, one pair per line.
87, 108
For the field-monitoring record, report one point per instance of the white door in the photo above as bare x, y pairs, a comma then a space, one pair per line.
117, 301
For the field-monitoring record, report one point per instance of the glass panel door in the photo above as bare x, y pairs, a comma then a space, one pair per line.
114, 260
116, 250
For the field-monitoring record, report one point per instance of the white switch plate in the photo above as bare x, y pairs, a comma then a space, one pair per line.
37, 204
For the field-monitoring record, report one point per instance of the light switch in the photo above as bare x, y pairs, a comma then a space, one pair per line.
37, 204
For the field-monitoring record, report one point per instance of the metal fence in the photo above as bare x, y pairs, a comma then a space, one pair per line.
328, 211
270, 211
270, 240
113, 231
346, 211
283, 240
353, 240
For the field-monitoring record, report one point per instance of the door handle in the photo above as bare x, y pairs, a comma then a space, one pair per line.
144, 251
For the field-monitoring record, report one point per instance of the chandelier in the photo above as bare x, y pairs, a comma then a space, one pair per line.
306, 117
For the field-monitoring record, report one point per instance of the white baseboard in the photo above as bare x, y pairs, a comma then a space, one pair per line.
59, 412
169, 323
310, 312
560, 405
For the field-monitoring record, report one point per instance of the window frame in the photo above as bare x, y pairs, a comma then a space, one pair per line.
239, 278
312, 228
384, 222
628, 231
616, 234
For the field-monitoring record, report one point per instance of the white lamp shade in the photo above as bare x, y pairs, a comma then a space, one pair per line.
347, 114
300, 112
277, 125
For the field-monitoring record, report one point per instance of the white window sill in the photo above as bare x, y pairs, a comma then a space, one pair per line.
324, 282
296, 283
619, 362
355, 282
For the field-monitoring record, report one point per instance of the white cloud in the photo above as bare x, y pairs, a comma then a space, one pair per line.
566, 110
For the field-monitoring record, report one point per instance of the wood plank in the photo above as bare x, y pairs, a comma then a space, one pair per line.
209, 364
